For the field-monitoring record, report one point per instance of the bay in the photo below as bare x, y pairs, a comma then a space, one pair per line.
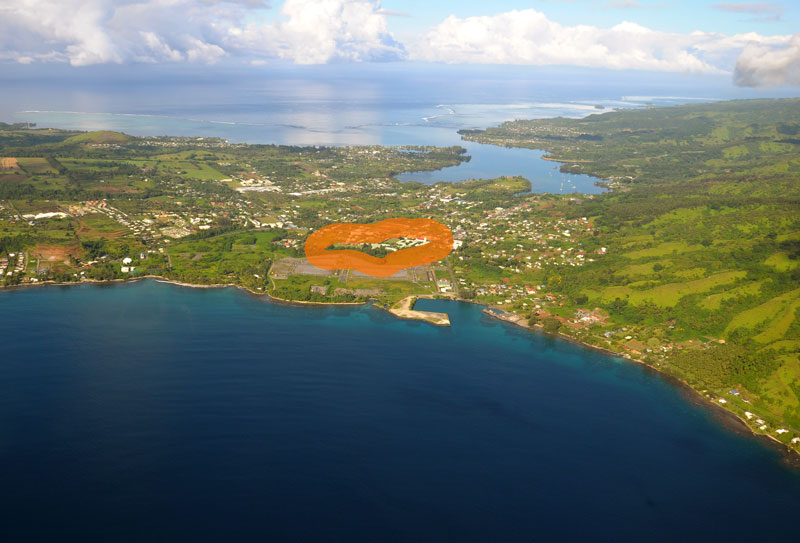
347, 105
147, 411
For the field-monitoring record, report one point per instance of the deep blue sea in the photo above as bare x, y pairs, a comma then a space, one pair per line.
151, 412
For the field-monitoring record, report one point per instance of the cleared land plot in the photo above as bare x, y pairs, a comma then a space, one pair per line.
56, 253
755, 316
34, 165
778, 326
390, 288
97, 225
670, 294
301, 266
402, 275
787, 344
285, 267
714, 301
663, 249
781, 262
9, 163
781, 387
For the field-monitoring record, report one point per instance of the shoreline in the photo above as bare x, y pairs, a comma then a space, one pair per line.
790, 456
729, 419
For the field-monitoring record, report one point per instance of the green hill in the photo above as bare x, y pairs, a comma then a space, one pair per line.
100, 136
702, 257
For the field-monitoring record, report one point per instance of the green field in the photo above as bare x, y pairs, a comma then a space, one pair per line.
782, 262
714, 301
663, 249
763, 312
670, 294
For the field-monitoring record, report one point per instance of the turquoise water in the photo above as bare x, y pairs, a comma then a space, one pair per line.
147, 411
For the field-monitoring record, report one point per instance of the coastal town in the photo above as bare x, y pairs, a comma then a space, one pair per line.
106, 206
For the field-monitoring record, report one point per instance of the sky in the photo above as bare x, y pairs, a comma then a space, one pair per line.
756, 43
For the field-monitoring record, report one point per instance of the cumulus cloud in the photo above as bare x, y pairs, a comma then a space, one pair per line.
319, 31
84, 32
529, 37
761, 65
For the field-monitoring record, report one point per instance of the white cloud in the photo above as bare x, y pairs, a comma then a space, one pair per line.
200, 51
318, 31
76, 26
529, 37
762, 65
86, 32
156, 45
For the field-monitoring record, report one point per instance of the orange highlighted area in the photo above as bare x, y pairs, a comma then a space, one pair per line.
437, 243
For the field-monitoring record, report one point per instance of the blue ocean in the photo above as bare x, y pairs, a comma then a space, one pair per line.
152, 412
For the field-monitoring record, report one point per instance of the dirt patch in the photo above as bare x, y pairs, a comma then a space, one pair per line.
358, 291
285, 267
9, 163
56, 253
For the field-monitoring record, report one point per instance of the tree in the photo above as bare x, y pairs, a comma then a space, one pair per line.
551, 325
533, 319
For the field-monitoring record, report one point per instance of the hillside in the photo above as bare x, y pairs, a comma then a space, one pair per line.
99, 137
701, 238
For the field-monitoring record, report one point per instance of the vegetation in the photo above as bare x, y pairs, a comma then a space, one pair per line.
701, 239
691, 263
